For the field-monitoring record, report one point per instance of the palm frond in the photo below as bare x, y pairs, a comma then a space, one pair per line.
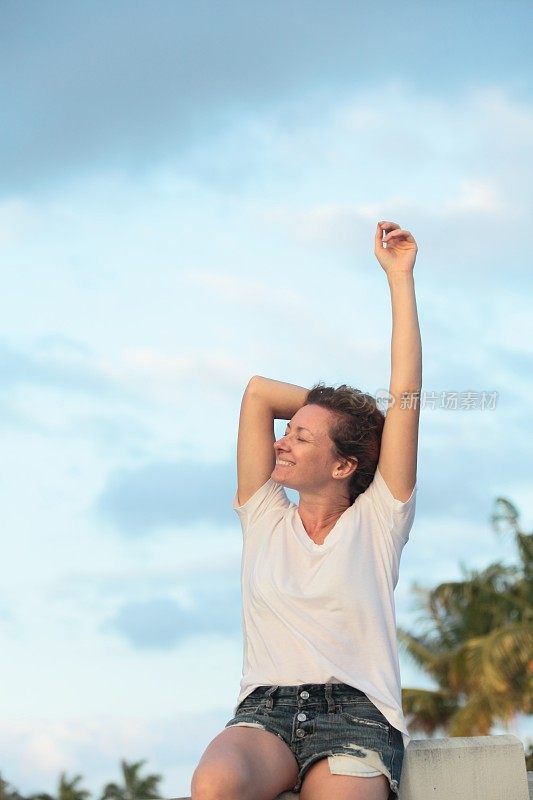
428, 711
474, 718
417, 649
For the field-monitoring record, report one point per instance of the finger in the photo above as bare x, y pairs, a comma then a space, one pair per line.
378, 239
397, 234
388, 226
380, 230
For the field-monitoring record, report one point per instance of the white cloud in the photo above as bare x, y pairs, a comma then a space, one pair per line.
46, 750
35, 750
163, 376
239, 289
457, 181
474, 195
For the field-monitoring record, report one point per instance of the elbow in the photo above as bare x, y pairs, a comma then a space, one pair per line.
254, 385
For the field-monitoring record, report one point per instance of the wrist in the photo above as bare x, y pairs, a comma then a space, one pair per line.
400, 274
400, 277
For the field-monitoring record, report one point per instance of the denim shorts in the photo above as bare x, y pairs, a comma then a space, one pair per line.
333, 720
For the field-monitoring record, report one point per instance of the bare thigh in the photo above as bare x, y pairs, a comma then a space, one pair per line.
244, 764
320, 784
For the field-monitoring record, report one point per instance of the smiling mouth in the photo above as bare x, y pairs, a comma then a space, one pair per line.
281, 463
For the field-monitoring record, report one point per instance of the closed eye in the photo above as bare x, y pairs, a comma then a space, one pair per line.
298, 438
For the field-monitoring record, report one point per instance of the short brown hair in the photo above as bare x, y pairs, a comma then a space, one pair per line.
356, 432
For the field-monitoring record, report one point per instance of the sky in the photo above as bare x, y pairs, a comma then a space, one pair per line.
189, 196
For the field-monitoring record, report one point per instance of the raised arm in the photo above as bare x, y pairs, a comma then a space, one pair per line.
264, 400
399, 443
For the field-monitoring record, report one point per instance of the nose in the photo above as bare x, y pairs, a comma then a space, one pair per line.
281, 443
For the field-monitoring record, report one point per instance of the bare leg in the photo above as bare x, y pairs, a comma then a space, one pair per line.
244, 764
320, 784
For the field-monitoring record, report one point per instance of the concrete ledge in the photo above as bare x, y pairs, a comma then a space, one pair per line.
461, 768
465, 768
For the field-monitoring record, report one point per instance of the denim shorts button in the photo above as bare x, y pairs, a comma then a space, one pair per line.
304, 695
300, 732
302, 717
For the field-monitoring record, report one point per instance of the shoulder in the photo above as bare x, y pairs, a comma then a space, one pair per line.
384, 511
270, 498
379, 492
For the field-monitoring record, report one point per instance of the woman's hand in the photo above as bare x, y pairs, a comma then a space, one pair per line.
401, 250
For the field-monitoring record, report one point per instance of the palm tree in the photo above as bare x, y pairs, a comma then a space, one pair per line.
478, 643
7, 792
68, 790
39, 796
135, 787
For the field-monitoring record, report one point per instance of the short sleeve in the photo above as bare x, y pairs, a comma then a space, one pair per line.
395, 516
270, 497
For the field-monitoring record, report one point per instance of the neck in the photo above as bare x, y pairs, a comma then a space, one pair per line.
319, 514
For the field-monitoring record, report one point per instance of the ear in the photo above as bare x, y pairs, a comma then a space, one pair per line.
345, 468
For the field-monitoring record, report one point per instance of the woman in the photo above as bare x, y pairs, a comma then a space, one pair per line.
319, 710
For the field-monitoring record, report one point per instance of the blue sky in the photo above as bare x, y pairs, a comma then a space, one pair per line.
189, 197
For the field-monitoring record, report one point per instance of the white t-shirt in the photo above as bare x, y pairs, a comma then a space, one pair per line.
324, 613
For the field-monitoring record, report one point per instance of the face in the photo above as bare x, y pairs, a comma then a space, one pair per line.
305, 457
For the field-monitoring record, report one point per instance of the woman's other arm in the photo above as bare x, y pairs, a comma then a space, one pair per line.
264, 400
399, 443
